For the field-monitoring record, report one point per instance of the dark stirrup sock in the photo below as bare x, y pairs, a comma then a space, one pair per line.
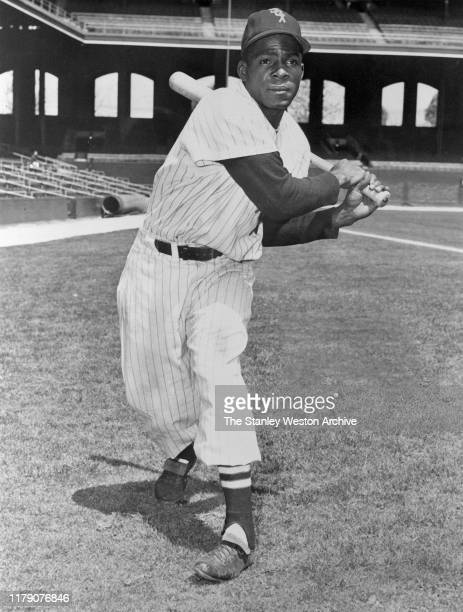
188, 454
236, 485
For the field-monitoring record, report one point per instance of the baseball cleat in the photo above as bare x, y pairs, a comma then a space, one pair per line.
171, 484
225, 562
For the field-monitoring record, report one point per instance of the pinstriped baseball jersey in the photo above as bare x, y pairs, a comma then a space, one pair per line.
194, 199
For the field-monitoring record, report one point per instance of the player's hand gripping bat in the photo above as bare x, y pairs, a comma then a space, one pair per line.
194, 91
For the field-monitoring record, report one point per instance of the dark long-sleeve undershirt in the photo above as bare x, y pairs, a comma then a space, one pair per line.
298, 230
275, 192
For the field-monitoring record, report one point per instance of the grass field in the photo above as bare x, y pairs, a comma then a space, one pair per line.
352, 519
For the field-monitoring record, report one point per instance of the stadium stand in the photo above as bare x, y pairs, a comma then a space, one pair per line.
418, 14
423, 35
54, 12
335, 33
327, 23
180, 8
36, 176
115, 24
315, 10
324, 11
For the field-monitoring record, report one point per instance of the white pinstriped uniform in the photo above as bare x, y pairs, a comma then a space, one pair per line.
183, 322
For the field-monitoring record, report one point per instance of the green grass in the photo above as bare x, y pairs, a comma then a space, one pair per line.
348, 520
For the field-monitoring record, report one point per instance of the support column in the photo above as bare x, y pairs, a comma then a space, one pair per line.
170, 109
220, 68
410, 104
363, 104
449, 116
123, 95
164, 97
314, 126
316, 101
83, 92
123, 106
41, 109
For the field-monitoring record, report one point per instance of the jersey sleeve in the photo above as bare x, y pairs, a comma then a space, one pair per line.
224, 125
275, 192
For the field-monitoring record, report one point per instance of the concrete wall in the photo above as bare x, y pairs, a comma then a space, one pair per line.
18, 210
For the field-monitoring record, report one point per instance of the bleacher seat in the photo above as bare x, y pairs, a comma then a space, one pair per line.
181, 8
112, 24
44, 176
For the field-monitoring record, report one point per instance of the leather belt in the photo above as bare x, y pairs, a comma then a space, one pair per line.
187, 252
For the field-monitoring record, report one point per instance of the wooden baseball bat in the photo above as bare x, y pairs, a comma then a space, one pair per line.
190, 88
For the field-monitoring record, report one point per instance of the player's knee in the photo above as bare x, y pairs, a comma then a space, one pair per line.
219, 335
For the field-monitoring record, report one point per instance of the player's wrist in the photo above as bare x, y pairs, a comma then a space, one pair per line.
340, 217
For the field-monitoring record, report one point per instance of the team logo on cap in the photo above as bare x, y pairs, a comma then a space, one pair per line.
278, 13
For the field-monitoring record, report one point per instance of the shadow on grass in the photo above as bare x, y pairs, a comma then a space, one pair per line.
121, 462
180, 523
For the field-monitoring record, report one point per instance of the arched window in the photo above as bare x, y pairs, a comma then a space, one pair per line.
51, 94
141, 96
333, 103
106, 95
50, 85
392, 104
6, 93
427, 99
299, 108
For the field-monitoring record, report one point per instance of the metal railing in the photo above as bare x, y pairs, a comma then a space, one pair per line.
56, 11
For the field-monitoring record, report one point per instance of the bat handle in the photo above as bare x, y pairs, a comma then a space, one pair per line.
379, 197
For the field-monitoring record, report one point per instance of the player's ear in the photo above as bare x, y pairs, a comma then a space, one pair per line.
242, 70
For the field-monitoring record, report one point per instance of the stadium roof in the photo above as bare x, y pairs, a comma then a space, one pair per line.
359, 37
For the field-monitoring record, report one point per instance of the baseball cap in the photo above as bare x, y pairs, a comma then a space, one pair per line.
272, 21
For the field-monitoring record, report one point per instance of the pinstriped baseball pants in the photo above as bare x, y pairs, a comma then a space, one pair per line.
183, 328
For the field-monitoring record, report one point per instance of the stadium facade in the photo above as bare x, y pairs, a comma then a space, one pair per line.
371, 67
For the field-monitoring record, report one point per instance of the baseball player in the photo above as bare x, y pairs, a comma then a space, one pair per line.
235, 180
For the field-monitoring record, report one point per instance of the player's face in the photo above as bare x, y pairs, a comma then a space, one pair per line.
273, 71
